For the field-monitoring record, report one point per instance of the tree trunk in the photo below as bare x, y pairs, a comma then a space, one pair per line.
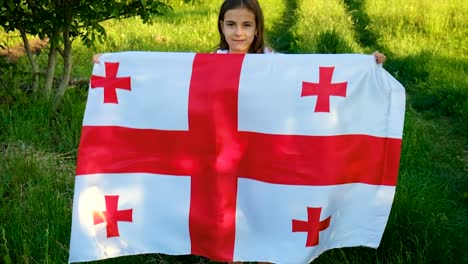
50, 71
67, 62
32, 60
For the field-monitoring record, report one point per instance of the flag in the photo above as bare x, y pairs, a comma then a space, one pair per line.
235, 157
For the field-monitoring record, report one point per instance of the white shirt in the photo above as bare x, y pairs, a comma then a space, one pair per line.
265, 51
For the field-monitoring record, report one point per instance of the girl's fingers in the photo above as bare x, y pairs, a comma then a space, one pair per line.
379, 57
96, 58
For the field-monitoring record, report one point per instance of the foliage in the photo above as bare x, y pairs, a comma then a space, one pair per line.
61, 22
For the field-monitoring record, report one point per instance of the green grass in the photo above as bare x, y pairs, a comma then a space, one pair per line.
430, 38
324, 27
426, 46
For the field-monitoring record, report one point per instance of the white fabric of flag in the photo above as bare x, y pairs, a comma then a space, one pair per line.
236, 157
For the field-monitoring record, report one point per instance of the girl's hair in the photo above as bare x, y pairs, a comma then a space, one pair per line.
258, 44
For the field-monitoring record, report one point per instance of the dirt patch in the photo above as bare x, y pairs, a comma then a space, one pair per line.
14, 53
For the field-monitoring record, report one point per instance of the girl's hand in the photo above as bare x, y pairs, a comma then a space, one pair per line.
96, 57
379, 57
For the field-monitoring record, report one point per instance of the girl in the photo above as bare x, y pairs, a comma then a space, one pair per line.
241, 27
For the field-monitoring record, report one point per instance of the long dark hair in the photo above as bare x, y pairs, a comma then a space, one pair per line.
258, 44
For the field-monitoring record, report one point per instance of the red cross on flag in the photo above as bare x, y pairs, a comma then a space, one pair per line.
236, 157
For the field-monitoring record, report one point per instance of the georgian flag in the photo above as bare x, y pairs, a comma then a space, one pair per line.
235, 157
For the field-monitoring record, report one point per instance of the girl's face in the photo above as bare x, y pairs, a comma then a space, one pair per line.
239, 29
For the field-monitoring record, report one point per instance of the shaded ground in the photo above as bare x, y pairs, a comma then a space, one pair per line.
281, 37
361, 22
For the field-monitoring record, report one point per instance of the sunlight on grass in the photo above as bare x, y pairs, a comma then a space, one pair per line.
409, 26
430, 36
324, 28
189, 28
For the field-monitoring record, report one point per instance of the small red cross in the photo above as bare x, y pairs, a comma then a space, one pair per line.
324, 89
110, 83
312, 226
112, 215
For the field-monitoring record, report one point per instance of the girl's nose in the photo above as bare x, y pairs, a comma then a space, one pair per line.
238, 30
